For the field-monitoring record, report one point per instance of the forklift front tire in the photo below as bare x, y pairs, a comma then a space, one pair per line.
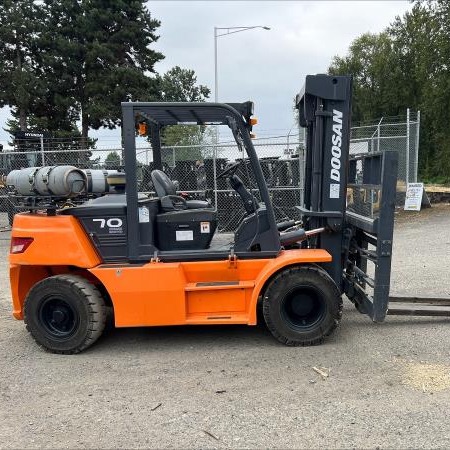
302, 305
65, 313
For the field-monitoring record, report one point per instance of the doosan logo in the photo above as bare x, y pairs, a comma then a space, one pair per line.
336, 153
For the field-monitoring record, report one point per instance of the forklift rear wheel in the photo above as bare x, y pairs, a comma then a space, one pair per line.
302, 305
65, 313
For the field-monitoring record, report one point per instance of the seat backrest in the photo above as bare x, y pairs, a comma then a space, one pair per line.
163, 184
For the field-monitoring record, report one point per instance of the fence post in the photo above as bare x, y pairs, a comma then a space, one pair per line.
215, 170
416, 156
407, 147
301, 163
378, 135
42, 150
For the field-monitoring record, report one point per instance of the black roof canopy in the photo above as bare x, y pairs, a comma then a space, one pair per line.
173, 113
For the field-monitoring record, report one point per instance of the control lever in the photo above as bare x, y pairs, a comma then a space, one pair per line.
287, 224
291, 237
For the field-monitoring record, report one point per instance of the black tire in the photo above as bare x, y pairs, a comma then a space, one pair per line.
302, 305
65, 313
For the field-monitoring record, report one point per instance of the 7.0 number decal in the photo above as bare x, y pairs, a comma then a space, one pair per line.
113, 222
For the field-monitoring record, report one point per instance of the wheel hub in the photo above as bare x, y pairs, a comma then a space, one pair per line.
302, 304
303, 308
58, 318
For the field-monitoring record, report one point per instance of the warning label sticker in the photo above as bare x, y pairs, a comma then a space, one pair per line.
144, 214
184, 235
205, 227
334, 190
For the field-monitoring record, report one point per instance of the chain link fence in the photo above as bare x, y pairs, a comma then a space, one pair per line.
196, 168
401, 134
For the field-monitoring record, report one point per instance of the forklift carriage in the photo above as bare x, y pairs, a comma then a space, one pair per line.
153, 261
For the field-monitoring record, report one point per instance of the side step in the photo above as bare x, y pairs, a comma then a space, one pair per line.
218, 302
218, 319
219, 285
419, 306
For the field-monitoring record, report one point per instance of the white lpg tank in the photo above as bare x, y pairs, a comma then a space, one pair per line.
100, 181
60, 181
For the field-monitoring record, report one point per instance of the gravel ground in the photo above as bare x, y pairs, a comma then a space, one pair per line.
388, 384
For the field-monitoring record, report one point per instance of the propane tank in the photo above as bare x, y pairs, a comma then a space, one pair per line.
100, 181
59, 181
116, 181
96, 181
18, 180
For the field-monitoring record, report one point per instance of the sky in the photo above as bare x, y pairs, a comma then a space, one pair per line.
267, 67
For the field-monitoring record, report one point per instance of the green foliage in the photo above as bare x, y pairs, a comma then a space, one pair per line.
19, 81
112, 161
189, 141
369, 62
179, 85
101, 56
407, 66
65, 60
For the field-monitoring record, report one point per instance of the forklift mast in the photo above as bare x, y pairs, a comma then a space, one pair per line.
324, 106
352, 197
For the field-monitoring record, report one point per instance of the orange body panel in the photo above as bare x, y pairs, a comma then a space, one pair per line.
58, 241
201, 292
22, 279
160, 293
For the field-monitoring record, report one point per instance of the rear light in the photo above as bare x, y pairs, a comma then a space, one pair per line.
20, 244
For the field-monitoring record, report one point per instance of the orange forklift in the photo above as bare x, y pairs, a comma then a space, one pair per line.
153, 259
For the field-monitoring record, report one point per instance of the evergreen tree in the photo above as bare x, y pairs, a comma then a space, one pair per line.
100, 55
112, 160
20, 30
69, 61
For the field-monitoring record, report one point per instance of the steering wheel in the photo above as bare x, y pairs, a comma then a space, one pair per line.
229, 170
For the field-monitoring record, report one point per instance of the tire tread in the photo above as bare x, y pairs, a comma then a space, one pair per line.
97, 312
278, 280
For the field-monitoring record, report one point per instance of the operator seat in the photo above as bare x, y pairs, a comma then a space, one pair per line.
182, 224
166, 190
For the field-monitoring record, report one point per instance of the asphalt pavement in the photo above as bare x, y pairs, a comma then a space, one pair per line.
369, 386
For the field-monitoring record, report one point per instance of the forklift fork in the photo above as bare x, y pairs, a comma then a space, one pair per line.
369, 230
368, 242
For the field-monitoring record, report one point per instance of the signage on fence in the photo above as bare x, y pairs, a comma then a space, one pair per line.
358, 147
29, 135
413, 199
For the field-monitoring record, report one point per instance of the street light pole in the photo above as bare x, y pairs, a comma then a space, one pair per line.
216, 93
